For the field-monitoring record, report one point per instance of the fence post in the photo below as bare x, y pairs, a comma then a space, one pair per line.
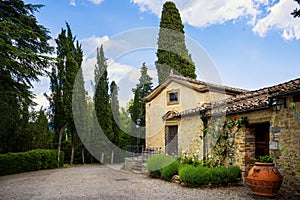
102, 157
112, 157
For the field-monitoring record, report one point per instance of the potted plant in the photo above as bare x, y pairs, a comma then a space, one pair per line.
264, 179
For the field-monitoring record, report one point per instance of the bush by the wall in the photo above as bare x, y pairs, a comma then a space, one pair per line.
156, 163
197, 176
170, 170
12, 163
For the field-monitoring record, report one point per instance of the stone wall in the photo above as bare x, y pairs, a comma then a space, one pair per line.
284, 143
190, 136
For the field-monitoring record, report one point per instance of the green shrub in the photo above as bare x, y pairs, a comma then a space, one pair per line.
169, 171
185, 160
12, 163
264, 159
197, 176
234, 174
156, 163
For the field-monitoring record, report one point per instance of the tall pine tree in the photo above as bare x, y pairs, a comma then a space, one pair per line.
23, 45
62, 76
115, 108
137, 109
101, 98
172, 52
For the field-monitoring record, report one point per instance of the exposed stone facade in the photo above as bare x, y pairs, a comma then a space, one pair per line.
281, 127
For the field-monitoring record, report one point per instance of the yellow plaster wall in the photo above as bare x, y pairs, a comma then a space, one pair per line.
190, 129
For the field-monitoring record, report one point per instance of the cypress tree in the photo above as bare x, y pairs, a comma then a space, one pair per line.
137, 109
115, 112
69, 59
101, 98
172, 52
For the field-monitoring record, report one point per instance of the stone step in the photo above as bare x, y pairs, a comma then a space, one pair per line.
137, 167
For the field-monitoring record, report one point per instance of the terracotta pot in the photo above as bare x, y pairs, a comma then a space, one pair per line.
264, 179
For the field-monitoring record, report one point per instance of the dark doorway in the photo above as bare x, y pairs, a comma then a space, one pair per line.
171, 140
262, 139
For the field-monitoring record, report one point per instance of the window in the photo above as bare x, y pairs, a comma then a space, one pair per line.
173, 97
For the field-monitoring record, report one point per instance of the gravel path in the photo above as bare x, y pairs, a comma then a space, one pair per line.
105, 182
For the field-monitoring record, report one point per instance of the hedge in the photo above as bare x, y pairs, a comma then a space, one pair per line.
169, 171
156, 163
197, 176
12, 163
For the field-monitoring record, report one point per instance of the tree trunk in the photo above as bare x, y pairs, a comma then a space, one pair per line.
73, 148
82, 154
59, 144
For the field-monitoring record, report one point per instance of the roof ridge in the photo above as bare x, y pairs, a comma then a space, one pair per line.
254, 99
209, 84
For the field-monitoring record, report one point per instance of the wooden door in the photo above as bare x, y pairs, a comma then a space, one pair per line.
262, 139
171, 140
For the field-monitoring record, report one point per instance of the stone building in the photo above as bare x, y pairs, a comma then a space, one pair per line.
272, 113
176, 94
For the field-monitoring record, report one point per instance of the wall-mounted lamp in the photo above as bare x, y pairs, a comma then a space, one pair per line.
138, 123
278, 103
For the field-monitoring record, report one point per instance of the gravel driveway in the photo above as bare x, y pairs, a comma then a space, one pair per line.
105, 182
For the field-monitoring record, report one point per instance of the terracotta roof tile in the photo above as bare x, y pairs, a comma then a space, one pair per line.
210, 85
247, 101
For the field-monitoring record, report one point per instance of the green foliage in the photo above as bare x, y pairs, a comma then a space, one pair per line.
67, 98
219, 137
169, 171
137, 109
12, 163
125, 125
115, 112
23, 45
156, 163
186, 160
38, 130
172, 51
264, 159
296, 12
101, 97
197, 176
292, 106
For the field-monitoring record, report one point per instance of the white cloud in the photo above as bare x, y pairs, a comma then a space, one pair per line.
39, 89
279, 17
201, 13
263, 15
90, 45
96, 1
72, 3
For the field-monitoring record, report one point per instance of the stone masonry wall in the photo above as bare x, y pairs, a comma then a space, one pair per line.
285, 145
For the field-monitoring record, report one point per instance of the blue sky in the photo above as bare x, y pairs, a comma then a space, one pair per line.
250, 43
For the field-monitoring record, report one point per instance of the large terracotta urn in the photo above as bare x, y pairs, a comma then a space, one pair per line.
264, 179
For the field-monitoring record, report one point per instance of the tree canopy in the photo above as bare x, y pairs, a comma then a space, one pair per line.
101, 98
296, 12
23, 45
172, 53
137, 108
62, 76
